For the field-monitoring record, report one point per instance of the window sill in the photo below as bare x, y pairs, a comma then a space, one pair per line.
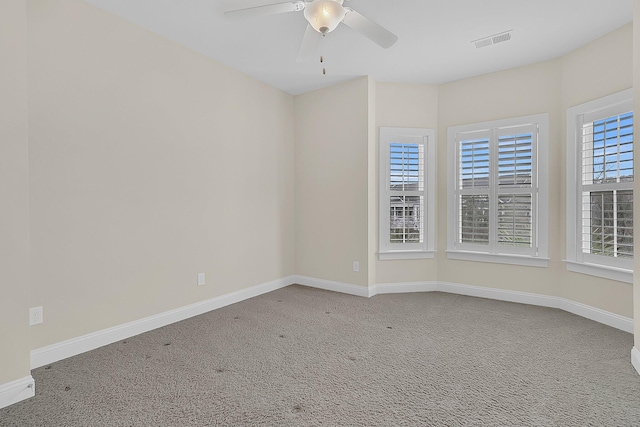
599, 270
499, 258
386, 256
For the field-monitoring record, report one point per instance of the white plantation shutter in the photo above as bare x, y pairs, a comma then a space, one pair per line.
515, 220
474, 219
406, 188
515, 157
474, 161
496, 187
606, 187
474, 182
406, 216
600, 187
406, 166
516, 194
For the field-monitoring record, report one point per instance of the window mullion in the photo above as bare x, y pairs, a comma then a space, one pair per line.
602, 217
615, 224
493, 191
535, 187
458, 195
618, 154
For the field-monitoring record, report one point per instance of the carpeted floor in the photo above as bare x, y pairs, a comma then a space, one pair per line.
307, 357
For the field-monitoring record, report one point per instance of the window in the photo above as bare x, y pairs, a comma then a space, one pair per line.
497, 198
407, 188
600, 187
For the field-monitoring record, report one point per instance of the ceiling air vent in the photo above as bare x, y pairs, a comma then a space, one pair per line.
491, 40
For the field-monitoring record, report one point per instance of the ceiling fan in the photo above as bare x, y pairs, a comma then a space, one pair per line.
323, 17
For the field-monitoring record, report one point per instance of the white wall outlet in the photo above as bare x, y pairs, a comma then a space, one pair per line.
35, 316
200, 279
356, 266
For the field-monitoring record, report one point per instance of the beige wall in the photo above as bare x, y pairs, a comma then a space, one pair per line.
346, 119
584, 78
149, 163
636, 136
518, 92
331, 182
548, 87
411, 106
14, 215
372, 187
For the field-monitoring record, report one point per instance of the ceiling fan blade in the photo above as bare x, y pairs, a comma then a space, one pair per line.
369, 29
268, 9
310, 46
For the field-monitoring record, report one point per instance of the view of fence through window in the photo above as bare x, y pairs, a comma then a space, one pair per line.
406, 180
505, 187
607, 186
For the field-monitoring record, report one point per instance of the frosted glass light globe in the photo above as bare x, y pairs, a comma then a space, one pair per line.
324, 15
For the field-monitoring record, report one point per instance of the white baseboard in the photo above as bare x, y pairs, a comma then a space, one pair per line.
635, 359
52, 353
15, 391
497, 294
583, 310
601, 316
329, 285
403, 288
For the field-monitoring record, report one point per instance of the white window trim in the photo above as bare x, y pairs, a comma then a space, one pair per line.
540, 259
427, 248
615, 104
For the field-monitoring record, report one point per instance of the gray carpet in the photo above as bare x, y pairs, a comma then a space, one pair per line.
307, 357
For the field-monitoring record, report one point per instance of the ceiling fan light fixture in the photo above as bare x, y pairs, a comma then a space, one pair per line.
324, 15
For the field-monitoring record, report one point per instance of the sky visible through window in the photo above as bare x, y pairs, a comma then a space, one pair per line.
514, 160
515, 157
474, 162
405, 164
613, 149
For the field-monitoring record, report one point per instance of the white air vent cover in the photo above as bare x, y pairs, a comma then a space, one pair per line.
491, 40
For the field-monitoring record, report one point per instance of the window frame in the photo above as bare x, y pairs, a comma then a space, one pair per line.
537, 255
577, 261
426, 138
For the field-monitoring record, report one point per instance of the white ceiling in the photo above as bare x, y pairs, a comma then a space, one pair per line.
434, 43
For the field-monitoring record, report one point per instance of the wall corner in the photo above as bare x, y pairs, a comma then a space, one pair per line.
636, 207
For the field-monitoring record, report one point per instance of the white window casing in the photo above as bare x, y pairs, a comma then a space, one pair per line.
407, 193
497, 186
600, 187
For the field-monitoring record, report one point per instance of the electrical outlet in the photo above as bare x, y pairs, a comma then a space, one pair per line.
200, 279
35, 316
356, 266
